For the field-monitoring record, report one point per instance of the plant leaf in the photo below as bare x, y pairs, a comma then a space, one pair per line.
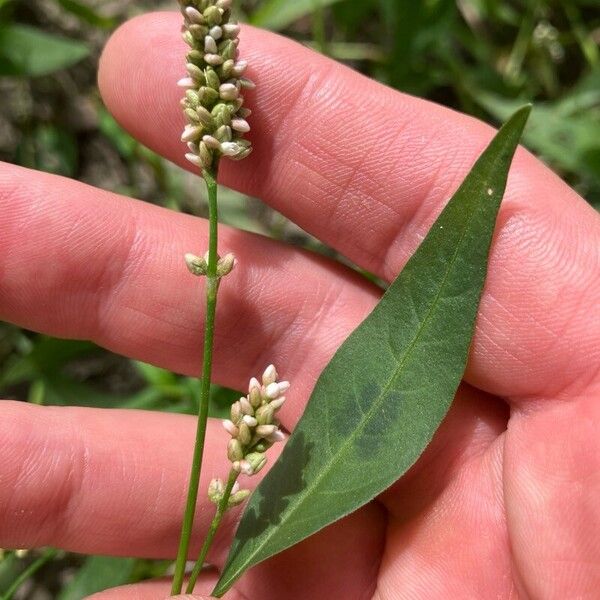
87, 14
379, 401
30, 52
97, 574
278, 14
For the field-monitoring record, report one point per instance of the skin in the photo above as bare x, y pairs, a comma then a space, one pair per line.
505, 503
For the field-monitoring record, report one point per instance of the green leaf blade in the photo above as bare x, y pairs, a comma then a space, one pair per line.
279, 14
30, 52
378, 403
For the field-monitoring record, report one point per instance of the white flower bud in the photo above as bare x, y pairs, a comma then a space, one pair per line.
186, 82
191, 133
231, 30
230, 428
216, 32
265, 430
277, 403
239, 68
210, 45
246, 406
250, 421
284, 386
228, 91
230, 148
254, 383
270, 375
212, 142
194, 159
195, 16
246, 467
214, 60
276, 436
272, 391
224, 4
240, 125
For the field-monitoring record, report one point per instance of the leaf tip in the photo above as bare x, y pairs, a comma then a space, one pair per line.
519, 118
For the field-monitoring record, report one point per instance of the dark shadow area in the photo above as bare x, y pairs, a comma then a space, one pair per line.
284, 480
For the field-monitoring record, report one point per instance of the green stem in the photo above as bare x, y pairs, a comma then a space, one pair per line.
212, 285
221, 508
31, 570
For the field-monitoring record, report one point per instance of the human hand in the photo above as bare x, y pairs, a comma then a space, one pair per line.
506, 500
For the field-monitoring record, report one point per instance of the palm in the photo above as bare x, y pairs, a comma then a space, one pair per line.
489, 511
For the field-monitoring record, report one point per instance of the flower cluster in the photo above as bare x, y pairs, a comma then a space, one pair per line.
213, 104
216, 490
253, 426
199, 265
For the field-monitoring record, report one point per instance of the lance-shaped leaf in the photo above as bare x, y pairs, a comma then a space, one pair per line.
380, 400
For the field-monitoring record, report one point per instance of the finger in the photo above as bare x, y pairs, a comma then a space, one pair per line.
114, 482
100, 481
98, 266
452, 494
552, 491
340, 561
366, 169
160, 590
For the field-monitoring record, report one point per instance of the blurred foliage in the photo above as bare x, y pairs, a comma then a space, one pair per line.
483, 57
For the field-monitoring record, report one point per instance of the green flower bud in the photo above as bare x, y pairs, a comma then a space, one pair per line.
235, 450
221, 115
264, 415
213, 16
212, 79
195, 56
245, 434
205, 117
215, 491
257, 461
236, 413
198, 31
206, 156
196, 265
228, 50
237, 498
224, 133
191, 115
209, 96
227, 69
193, 97
225, 264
